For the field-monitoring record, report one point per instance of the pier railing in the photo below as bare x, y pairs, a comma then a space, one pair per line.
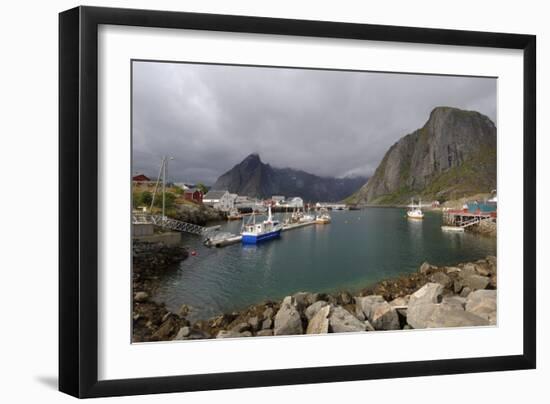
173, 224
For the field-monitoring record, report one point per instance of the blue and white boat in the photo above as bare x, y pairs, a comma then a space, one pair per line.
254, 233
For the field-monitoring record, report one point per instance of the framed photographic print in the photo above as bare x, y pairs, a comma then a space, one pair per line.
251, 201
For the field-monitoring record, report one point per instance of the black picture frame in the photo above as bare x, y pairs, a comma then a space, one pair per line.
78, 206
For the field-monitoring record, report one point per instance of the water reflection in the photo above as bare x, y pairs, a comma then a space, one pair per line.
357, 248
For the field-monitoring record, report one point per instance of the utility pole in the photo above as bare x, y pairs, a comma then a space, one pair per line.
164, 161
164, 169
162, 174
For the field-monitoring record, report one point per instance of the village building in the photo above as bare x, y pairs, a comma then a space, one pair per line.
193, 195
140, 178
278, 200
295, 202
183, 185
221, 200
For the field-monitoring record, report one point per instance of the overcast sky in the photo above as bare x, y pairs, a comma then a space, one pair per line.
329, 123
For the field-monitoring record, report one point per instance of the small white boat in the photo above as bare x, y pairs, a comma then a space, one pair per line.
415, 211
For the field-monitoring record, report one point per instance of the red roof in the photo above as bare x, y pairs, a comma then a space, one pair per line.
140, 177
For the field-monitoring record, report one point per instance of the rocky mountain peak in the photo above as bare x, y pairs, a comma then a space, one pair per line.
252, 158
254, 178
453, 154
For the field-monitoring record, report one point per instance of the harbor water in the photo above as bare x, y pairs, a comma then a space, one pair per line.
356, 250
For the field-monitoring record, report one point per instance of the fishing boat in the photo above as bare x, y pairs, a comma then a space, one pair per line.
234, 214
307, 217
300, 217
323, 217
415, 211
254, 233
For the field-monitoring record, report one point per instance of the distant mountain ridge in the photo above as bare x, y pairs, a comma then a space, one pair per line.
451, 156
252, 177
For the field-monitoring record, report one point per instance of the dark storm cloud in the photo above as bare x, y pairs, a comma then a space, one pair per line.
329, 123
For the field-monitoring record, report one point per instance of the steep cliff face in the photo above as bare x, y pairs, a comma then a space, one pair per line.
254, 178
452, 155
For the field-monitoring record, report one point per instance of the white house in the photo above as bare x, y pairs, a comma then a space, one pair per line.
221, 200
278, 200
295, 202
183, 185
245, 202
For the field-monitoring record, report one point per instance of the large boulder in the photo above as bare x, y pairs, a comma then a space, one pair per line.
384, 317
319, 322
457, 285
223, 320
359, 313
429, 293
456, 300
366, 304
377, 312
483, 303
166, 329
441, 315
468, 269
287, 319
476, 282
267, 324
452, 270
183, 333
314, 308
264, 333
197, 334
426, 268
345, 298
442, 278
268, 313
312, 298
254, 323
240, 327
302, 300
341, 320
400, 304
141, 296
427, 310
465, 292
483, 268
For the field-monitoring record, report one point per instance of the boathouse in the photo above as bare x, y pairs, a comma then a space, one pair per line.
193, 195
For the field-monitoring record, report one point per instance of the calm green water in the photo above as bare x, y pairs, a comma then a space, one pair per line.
355, 250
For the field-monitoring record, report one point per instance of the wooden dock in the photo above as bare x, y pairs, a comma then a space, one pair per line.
292, 226
236, 238
463, 218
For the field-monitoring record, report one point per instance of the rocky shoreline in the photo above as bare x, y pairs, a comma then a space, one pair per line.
433, 297
148, 261
198, 214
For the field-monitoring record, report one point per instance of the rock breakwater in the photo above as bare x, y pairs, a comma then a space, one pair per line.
434, 297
